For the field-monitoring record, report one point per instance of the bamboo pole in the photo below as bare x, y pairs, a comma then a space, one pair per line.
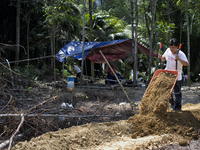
115, 75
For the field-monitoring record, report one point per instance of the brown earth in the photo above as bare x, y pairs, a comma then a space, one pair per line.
154, 128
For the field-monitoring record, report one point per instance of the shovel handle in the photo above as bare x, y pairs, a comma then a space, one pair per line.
160, 47
180, 46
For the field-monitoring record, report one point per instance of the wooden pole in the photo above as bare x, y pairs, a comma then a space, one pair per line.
115, 75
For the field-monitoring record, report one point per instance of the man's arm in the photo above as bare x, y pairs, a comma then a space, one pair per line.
183, 62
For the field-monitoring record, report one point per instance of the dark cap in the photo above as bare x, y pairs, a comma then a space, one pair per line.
174, 42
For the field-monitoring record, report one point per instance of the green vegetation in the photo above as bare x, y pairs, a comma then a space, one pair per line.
46, 26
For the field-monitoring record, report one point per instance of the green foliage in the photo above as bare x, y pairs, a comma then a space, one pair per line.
110, 21
165, 27
181, 4
30, 72
65, 73
114, 8
105, 27
65, 16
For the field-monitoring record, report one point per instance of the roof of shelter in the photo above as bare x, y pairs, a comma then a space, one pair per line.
112, 50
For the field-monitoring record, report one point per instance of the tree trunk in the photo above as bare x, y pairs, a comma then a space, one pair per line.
157, 60
18, 30
188, 44
153, 12
136, 46
27, 32
90, 14
83, 40
53, 54
147, 23
51, 40
181, 26
133, 47
169, 19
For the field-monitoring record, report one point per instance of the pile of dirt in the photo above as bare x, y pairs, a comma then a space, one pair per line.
78, 137
124, 134
156, 118
157, 94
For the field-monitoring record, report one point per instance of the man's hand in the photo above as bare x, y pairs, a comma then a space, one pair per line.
177, 57
159, 56
184, 63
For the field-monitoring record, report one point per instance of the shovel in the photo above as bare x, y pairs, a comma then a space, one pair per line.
160, 54
176, 69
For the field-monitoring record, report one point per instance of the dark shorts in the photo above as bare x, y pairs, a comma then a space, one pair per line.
78, 75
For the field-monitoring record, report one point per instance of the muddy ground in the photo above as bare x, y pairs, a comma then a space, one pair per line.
101, 118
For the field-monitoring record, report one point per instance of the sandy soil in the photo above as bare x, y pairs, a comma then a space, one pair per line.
157, 128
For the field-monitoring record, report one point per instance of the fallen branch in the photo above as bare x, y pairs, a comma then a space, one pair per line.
39, 104
22, 120
9, 69
98, 110
11, 139
7, 103
18, 137
56, 115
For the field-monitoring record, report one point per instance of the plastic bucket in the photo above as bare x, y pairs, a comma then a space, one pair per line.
70, 84
72, 79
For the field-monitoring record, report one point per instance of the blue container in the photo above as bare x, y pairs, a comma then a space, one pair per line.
72, 79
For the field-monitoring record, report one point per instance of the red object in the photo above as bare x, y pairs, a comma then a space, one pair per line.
180, 46
161, 70
160, 45
109, 72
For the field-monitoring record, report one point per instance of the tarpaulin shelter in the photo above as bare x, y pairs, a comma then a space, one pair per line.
113, 50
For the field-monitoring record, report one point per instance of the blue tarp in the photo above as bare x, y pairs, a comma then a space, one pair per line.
74, 49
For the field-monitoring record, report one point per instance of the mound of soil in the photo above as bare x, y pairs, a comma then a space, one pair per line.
157, 94
154, 119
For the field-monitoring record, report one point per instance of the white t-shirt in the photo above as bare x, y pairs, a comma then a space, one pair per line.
171, 61
77, 69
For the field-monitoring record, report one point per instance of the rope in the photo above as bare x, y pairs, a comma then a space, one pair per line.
29, 59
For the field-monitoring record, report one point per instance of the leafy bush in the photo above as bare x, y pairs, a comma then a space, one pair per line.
29, 72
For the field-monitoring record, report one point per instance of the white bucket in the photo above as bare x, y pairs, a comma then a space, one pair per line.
70, 84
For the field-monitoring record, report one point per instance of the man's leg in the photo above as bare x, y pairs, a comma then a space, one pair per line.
171, 101
78, 75
178, 96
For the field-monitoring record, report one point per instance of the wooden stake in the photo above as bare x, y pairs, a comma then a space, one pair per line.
115, 75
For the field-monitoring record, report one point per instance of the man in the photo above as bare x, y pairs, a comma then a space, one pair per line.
176, 59
77, 70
